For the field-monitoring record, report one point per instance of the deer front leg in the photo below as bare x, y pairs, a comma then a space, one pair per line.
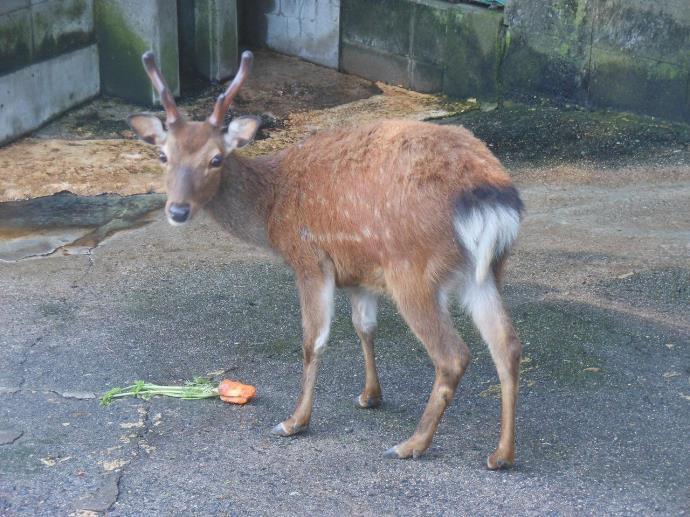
364, 305
316, 301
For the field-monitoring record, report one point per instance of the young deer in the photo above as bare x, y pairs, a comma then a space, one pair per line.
413, 210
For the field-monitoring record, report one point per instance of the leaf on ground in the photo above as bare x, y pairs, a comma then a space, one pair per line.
51, 461
113, 464
492, 391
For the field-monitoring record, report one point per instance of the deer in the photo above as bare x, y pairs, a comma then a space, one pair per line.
419, 212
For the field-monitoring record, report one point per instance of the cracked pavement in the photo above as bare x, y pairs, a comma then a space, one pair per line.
598, 287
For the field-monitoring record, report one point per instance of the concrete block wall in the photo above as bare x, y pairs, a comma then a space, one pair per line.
426, 45
305, 28
48, 61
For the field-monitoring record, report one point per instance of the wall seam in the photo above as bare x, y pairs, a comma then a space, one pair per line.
588, 74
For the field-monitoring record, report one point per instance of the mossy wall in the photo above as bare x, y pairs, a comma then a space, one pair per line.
209, 30
125, 29
31, 32
626, 54
426, 45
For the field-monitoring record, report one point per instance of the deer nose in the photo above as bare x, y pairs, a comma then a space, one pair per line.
179, 212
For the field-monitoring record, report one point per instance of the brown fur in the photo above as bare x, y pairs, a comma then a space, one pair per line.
371, 209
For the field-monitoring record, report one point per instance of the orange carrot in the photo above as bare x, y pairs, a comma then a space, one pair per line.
235, 392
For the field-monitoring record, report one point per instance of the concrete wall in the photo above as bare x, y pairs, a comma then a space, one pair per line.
48, 61
429, 46
305, 28
626, 54
125, 29
208, 37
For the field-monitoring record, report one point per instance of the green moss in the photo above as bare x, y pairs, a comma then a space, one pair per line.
473, 54
580, 13
550, 70
15, 41
628, 82
202, 47
170, 65
49, 23
379, 24
66, 42
74, 9
120, 52
564, 49
501, 49
429, 39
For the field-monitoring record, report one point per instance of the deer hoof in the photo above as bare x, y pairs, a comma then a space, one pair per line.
287, 430
393, 454
364, 402
402, 453
498, 462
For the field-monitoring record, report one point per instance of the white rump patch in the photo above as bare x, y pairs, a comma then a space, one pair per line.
486, 233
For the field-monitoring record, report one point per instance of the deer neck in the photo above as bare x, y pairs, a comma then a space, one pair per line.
245, 198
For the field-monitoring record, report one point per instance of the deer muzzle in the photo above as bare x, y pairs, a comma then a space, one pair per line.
178, 213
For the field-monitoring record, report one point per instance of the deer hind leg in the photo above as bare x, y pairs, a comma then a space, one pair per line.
425, 311
316, 300
364, 304
486, 308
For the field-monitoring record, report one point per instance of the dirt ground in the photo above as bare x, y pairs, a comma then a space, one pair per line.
91, 150
598, 286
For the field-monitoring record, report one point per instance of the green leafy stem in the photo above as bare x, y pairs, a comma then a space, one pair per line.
198, 388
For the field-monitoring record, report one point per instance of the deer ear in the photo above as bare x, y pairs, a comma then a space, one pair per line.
241, 131
149, 128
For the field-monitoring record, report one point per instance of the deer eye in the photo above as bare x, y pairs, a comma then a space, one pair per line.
216, 160
162, 157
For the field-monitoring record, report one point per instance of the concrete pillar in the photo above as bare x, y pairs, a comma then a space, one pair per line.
209, 37
125, 29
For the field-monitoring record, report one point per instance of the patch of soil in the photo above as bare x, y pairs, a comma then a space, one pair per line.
36, 167
281, 85
277, 87
90, 151
393, 102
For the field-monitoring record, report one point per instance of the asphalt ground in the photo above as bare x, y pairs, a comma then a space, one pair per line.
598, 287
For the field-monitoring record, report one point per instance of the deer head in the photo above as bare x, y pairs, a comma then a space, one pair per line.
193, 154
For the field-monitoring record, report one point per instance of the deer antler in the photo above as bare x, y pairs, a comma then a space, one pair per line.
225, 99
167, 100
